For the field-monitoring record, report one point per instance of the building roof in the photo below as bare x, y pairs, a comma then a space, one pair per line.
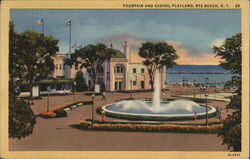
118, 54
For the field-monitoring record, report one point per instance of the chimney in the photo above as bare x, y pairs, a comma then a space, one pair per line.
126, 50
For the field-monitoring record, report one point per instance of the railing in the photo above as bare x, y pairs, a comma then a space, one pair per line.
198, 94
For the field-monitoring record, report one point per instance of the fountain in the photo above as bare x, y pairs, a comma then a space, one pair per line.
140, 109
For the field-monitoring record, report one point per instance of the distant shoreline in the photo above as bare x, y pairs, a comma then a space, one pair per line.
199, 73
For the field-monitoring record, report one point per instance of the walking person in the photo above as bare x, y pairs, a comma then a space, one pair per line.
103, 96
103, 116
195, 116
221, 117
217, 112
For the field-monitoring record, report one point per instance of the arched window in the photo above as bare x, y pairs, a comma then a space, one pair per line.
119, 69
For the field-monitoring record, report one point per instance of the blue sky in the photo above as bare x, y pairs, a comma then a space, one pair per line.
195, 30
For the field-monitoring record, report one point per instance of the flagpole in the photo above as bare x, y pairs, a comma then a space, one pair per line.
43, 27
70, 37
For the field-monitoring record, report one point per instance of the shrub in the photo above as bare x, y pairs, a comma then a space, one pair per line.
80, 82
47, 114
60, 113
151, 127
59, 110
21, 118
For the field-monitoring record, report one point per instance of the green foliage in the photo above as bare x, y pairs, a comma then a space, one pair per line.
80, 82
21, 118
157, 56
231, 131
30, 59
230, 52
16, 67
35, 52
91, 57
60, 113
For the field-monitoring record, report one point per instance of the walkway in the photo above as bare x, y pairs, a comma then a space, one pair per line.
56, 134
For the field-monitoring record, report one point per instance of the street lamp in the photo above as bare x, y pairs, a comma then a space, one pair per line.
74, 91
206, 110
130, 89
206, 79
48, 89
183, 80
93, 99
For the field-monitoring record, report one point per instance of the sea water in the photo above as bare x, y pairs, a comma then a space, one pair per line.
206, 74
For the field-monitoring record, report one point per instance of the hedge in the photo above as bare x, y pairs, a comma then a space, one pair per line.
171, 128
59, 110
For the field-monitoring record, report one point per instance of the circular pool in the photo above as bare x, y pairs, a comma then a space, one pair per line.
146, 110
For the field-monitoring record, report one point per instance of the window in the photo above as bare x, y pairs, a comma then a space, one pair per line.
134, 83
119, 69
56, 66
142, 70
134, 70
63, 66
60, 68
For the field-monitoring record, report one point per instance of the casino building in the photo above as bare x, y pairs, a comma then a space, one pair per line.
123, 71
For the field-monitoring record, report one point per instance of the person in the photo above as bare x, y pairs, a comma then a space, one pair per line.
220, 117
218, 112
103, 116
195, 116
103, 96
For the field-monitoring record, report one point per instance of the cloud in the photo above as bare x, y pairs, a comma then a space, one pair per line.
202, 57
187, 54
217, 42
193, 56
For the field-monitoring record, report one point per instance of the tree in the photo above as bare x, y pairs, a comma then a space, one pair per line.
80, 82
21, 118
91, 57
31, 55
16, 68
35, 53
157, 56
231, 53
30, 59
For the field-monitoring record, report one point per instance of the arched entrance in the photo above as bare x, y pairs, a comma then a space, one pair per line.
119, 80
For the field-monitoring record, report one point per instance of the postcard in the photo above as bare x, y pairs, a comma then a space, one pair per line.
124, 79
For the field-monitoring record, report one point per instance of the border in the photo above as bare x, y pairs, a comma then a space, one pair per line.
115, 4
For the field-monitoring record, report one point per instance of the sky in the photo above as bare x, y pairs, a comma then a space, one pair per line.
193, 33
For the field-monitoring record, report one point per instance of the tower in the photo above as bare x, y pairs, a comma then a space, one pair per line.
126, 51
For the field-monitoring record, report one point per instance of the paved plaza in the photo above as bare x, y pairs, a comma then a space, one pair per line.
57, 135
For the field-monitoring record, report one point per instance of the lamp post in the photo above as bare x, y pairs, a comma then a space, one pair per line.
206, 110
93, 104
130, 89
183, 80
48, 89
206, 79
74, 91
